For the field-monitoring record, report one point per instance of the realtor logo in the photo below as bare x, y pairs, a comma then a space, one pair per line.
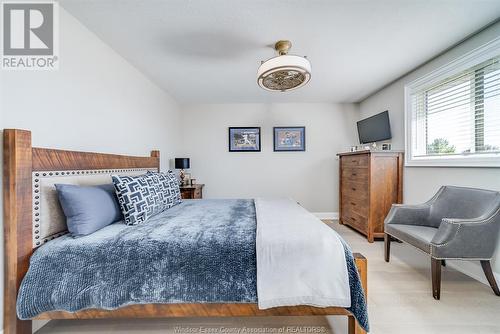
30, 35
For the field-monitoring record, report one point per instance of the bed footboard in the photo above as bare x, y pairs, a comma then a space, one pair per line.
362, 265
217, 309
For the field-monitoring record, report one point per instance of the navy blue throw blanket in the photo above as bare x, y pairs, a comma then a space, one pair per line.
200, 251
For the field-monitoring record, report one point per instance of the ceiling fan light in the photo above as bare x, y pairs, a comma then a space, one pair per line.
284, 72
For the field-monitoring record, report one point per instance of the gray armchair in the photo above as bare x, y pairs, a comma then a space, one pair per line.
457, 223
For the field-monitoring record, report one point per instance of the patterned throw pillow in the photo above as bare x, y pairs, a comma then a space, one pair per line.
140, 197
170, 187
174, 184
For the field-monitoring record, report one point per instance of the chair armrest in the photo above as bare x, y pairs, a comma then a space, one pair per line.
411, 214
408, 214
467, 238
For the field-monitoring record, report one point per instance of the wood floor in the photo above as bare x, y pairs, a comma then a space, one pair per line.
400, 301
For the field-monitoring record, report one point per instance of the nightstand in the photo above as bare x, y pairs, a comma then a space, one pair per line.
192, 192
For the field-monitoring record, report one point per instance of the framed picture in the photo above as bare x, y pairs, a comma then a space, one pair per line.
243, 139
291, 138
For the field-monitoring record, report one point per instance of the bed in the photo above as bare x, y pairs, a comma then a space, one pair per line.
24, 170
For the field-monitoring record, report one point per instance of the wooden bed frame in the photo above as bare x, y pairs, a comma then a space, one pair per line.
20, 161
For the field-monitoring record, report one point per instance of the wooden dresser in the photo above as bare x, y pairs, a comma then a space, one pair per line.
192, 192
370, 182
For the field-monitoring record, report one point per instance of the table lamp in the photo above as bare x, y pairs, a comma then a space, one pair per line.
182, 163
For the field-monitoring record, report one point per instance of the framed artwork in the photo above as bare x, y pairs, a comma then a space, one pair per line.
242, 139
291, 138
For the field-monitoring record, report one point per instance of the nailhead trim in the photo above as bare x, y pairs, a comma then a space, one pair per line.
36, 183
459, 223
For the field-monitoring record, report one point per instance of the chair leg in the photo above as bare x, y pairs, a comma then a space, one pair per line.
443, 263
436, 278
387, 247
489, 276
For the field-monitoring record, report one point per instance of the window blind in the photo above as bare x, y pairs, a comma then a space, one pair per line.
459, 115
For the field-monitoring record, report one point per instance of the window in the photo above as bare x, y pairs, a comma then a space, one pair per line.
453, 114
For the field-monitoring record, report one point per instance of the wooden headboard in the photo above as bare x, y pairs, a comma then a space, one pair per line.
20, 161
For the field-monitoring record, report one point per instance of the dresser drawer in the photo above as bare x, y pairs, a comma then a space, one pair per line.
358, 174
355, 220
360, 160
187, 193
355, 189
192, 192
355, 205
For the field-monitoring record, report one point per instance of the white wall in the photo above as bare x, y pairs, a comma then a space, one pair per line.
420, 183
310, 177
96, 101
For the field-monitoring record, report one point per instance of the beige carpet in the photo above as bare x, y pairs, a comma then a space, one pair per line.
400, 301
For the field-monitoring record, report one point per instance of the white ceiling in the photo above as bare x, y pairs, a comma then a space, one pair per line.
204, 51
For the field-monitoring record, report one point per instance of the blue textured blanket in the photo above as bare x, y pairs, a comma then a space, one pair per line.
198, 251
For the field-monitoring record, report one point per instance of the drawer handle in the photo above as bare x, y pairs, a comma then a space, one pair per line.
352, 203
352, 218
354, 174
353, 160
353, 189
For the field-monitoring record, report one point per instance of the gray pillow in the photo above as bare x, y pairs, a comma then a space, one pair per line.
88, 208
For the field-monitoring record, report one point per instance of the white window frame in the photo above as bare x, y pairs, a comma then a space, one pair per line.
467, 61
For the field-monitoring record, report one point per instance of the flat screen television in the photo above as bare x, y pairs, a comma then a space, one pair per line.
374, 128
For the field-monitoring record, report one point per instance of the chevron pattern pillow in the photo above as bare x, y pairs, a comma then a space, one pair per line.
170, 180
170, 186
140, 197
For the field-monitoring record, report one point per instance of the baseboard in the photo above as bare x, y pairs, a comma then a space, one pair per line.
327, 215
472, 269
